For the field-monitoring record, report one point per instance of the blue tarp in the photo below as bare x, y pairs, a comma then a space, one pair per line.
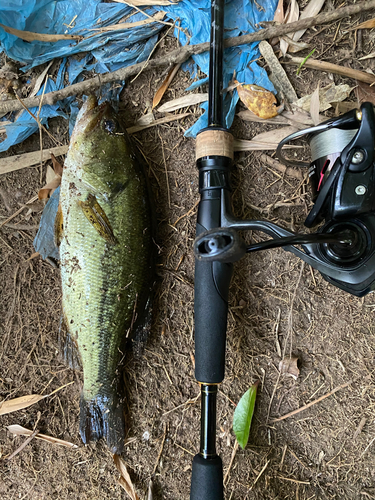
111, 50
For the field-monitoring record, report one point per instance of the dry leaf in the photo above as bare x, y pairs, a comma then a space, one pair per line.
164, 86
53, 179
165, 119
327, 95
40, 80
279, 12
366, 25
29, 36
150, 495
276, 135
312, 9
265, 140
146, 119
182, 102
258, 100
365, 93
50, 174
47, 190
19, 403
124, 479
315, 106
57, 167
289, 366
291, 16
18, 430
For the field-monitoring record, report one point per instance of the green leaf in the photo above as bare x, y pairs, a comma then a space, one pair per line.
244, 414
303, 62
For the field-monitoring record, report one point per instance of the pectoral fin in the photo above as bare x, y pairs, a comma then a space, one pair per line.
97, 217
58, 226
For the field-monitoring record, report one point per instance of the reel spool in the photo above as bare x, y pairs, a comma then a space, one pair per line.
326, 147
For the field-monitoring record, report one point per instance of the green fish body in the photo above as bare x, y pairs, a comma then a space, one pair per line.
106, 260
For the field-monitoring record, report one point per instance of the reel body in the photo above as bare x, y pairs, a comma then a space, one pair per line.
342, 177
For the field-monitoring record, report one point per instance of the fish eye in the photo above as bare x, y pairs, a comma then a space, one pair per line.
111, 126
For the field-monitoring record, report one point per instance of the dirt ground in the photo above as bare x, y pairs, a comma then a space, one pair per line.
325, 452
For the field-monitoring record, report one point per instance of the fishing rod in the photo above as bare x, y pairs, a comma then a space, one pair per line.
342, 176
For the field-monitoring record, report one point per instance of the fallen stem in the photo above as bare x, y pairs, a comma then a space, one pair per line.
331, 68
182, 54
303, 408
23, 445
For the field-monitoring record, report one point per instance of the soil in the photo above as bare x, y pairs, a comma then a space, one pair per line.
324, 452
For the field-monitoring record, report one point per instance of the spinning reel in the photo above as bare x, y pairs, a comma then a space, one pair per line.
342, 176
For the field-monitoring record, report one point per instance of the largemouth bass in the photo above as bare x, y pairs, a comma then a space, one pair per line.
104, 230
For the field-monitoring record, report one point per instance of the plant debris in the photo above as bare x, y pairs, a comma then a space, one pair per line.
289, 366
260, 101
124, 479
18, 430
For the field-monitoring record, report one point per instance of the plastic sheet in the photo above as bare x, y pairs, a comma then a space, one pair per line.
110, 50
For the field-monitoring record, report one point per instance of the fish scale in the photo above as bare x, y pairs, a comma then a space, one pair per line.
105, 275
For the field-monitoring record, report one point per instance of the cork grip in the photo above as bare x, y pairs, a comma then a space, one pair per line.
214, 143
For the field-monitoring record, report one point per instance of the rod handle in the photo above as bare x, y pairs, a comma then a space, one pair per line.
212, 281
207, 479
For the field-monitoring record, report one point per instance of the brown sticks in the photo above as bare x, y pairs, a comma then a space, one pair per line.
182, 54
332, 68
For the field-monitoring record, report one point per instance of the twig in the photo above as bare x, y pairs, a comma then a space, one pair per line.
23, 105
187, 213
260, 473
271, 162
360, 427
290, 332
189, 401
182, 54
235, 448
166, 170
303, 408
149, 57
332, 68
153, 20
161, 449
22, 227
293, 480
41, 131
367, 447
23, 445
34, 198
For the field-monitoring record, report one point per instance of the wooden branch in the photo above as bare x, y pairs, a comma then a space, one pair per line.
17, 162
182, 54
332, 68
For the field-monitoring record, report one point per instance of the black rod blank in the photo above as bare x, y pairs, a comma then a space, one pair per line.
215, 87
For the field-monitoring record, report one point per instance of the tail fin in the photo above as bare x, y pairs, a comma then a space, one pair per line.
103, 417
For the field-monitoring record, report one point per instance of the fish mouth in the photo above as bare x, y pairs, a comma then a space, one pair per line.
90, 116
